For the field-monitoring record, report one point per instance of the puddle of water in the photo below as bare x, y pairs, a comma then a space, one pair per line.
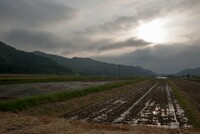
119, 101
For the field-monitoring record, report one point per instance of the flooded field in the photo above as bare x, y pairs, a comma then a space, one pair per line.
21, 90
152, 104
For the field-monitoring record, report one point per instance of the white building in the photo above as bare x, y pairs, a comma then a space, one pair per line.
160, 77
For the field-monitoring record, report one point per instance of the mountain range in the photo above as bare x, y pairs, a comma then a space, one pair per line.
17, 61
195, 71
88, 66
13, 61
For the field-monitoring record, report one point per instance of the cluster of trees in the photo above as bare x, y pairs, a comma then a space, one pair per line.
15, 61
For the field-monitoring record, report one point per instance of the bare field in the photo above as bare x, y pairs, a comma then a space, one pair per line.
14, 91
146, 107
190, 88
59, 108
197, 80
152, 104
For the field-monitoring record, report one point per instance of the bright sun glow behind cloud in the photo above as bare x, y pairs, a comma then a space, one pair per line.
153, 31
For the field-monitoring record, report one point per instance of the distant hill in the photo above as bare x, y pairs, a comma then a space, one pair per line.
195, 71
87, 66
16, 61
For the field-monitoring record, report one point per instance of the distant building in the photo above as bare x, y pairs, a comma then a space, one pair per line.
161, 77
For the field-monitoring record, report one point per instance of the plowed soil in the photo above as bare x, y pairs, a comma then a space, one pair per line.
190, 88
152, 104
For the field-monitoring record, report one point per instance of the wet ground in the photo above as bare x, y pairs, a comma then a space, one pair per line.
190, 88
152, 104
21, 90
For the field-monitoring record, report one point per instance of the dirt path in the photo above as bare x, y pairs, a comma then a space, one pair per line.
152, 104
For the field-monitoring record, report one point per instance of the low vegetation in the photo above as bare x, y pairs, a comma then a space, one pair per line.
189, 108
21, 124
19, 79
24, 103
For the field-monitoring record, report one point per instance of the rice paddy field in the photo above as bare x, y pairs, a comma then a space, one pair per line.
67, 104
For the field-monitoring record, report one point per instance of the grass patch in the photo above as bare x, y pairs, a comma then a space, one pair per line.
54, 78
27, 102
188, 107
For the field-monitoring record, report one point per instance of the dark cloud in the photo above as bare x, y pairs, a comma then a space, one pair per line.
102, 46
144, 12
88, 45
45, 25
33, 13
122, 23
161, 58
128, 43
189, 4
32, 40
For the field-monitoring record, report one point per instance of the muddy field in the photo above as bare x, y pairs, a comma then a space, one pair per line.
195, 80
152, 104
191, 88
21, 90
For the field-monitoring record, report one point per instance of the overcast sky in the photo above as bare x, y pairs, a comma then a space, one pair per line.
160, 35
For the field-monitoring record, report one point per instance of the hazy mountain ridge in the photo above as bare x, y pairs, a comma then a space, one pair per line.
195, 71
17, 61
88, 66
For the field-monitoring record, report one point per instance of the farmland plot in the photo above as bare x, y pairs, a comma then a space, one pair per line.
190, 88
15, 91
152, 104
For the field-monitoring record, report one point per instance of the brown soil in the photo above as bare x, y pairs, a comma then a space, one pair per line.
195, 80
151, 104
190, 88
26, 123
60, 108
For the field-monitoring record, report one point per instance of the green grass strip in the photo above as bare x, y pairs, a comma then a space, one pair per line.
186, 105
27, 102
34, 79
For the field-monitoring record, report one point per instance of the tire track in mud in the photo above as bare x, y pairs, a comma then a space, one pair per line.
152, 104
